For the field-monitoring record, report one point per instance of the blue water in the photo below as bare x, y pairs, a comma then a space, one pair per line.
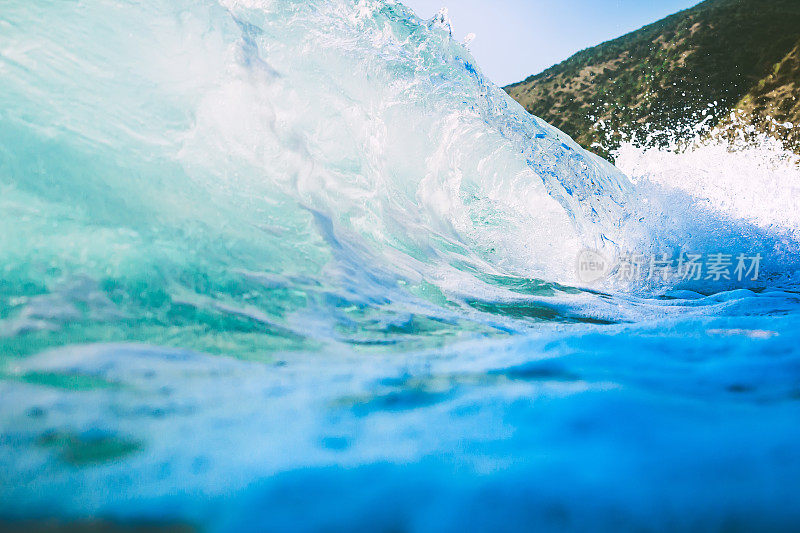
296, 265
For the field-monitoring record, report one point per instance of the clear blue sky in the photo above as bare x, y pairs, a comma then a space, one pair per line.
517, 38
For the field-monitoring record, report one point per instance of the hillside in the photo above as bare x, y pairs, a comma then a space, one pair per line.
698, 64
776, 98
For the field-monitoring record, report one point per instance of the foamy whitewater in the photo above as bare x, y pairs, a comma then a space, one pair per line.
274, 265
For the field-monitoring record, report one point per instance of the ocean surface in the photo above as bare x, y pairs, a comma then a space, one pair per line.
284, 265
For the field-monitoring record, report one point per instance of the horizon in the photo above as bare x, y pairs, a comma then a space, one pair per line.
551, 33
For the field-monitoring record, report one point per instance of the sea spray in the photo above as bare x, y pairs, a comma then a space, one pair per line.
284, 265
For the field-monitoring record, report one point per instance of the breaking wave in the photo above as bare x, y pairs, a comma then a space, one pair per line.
278, 180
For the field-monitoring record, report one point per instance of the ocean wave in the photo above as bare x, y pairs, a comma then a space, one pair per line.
332, 193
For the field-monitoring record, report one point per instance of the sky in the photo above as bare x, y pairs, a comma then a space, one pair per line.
517, 38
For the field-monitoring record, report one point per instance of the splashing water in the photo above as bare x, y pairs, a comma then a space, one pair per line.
747, 175
297, 265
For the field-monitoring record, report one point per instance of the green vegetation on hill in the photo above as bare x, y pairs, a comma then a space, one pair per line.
663, 79
776, 99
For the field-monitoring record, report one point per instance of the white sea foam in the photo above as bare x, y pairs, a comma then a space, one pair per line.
752, 177
331, 190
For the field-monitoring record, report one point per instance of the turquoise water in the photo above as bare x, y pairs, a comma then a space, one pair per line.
296, 265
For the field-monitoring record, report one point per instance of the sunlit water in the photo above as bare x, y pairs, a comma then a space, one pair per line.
296, 265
